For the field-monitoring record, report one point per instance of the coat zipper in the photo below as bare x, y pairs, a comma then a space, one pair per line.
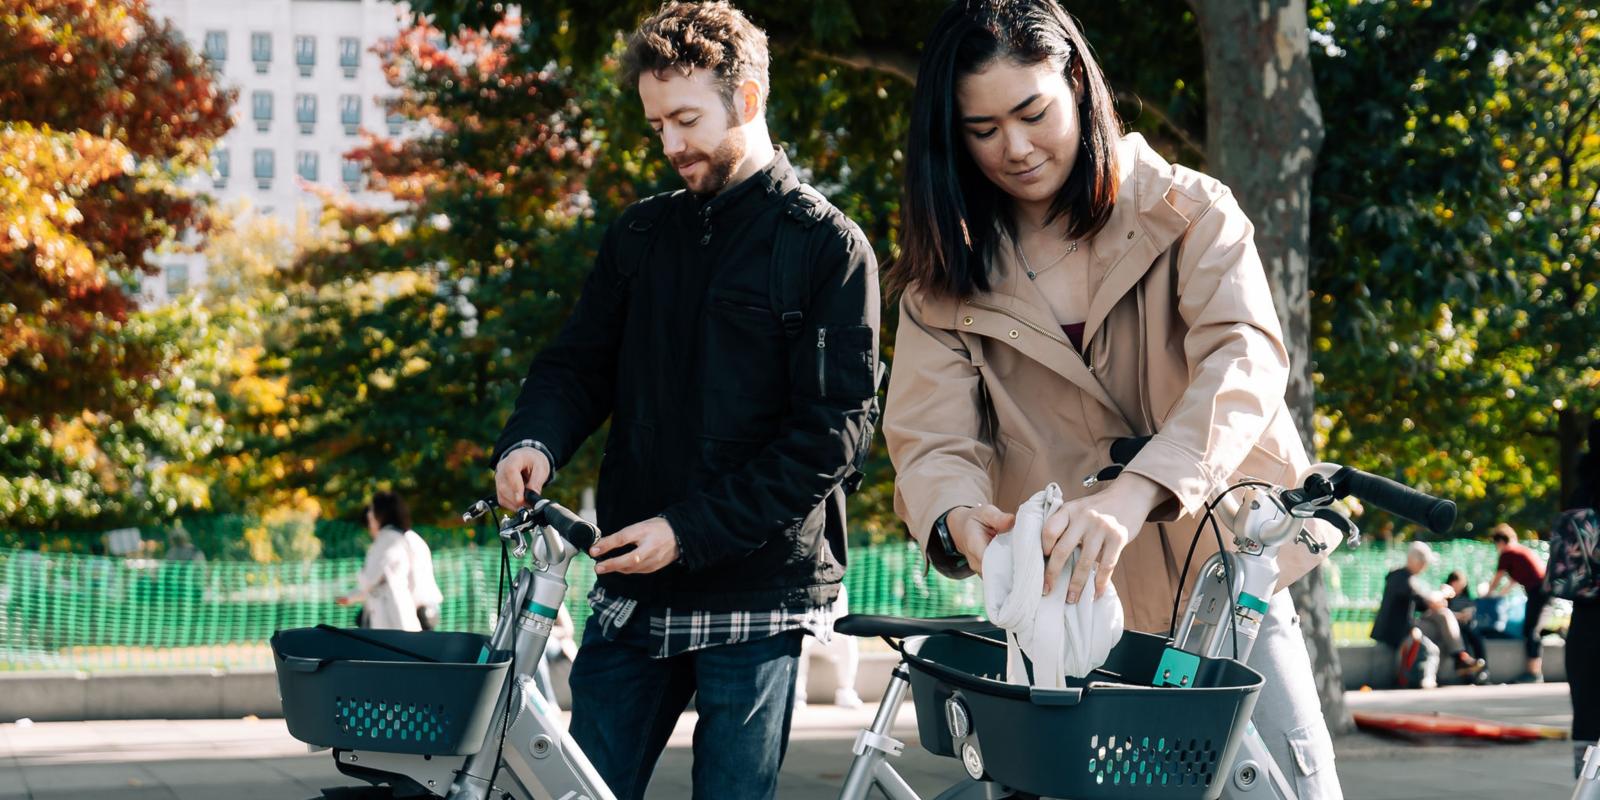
822, 348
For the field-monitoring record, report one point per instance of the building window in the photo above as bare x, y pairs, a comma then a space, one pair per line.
177, 279
306, 165
305, 54
349, 55
395, 120
261, 51
305, 111
216, 50
219, 173
350, 113
352, 175
261, 105
264, 169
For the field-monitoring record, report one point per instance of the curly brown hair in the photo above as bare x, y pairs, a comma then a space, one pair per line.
712, 35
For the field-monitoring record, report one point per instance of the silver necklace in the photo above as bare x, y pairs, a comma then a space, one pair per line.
1072, 247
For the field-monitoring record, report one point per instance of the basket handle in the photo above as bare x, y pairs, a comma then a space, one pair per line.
1055, 697
299, 664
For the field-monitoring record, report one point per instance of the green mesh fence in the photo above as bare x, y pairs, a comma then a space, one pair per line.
76, 612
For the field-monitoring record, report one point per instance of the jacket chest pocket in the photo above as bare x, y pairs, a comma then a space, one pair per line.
742, 367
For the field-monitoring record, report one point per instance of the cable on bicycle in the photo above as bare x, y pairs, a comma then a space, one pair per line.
1227, 566
505, 720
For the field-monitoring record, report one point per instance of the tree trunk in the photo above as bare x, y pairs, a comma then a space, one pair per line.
1263, 131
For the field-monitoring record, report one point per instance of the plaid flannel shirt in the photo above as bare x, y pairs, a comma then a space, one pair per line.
676, 632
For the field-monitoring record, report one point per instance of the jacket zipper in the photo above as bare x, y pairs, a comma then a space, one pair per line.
822, 352
1056, 335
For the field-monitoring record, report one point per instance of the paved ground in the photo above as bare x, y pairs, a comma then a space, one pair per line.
247, 759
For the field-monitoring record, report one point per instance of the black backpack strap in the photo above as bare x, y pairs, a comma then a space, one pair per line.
803, 208
639, 233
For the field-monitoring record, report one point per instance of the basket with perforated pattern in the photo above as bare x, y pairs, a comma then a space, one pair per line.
388, 691
1120, 733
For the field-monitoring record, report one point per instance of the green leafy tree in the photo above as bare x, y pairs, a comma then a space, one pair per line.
408, 330
1454, 257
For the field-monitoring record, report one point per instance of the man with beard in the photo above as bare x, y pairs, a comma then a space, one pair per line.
729, 333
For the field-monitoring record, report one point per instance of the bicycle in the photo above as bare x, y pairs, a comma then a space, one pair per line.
1193, 690
456, 715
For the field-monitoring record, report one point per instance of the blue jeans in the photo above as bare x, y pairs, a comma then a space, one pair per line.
625, 703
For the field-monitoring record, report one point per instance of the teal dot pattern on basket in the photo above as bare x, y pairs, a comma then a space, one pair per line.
382, 720
1152, 761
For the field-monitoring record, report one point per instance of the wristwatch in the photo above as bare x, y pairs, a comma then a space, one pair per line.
941, 549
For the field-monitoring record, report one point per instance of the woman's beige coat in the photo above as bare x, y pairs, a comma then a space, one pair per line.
988, 401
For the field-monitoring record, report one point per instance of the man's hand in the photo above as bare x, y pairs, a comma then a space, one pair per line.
971, 530
520, 469
654, 547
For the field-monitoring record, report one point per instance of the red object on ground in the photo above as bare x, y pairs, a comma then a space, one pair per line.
1436, 724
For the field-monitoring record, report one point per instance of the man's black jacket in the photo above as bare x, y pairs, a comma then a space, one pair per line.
735, 430
1404, 595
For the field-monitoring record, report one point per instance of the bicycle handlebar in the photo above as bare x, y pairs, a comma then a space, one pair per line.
1434, 513
573, 528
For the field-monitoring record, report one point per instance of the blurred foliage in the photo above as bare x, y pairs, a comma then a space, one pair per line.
103, 110
1453, 252
1454, 243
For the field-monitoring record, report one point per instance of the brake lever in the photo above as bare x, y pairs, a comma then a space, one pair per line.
512, 529
1346, 526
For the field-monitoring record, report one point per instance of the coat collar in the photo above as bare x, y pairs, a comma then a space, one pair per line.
1143, 225
1143, 222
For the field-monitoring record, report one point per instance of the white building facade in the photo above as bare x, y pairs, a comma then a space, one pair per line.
308, 83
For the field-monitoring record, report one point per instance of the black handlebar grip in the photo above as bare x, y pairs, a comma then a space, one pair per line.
1435, 514
573, 528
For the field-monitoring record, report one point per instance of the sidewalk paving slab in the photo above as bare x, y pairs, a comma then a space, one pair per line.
249, 759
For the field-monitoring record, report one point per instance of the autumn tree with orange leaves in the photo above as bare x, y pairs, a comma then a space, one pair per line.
103, 110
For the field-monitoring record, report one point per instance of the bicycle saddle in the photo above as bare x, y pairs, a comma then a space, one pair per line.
901, 627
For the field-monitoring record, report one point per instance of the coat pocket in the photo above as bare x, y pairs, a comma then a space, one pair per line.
1312, 749
1012, 476
844, 362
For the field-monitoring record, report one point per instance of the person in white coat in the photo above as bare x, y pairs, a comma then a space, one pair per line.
384, 583
424, 589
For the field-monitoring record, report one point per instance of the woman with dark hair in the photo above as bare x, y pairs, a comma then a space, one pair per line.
384, 583
1062, 287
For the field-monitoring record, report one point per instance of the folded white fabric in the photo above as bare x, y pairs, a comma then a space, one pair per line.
1060, 639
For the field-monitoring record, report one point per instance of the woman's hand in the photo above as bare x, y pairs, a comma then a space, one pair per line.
1101, 525
971, 530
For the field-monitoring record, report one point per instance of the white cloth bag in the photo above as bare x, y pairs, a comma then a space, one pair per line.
1062, 640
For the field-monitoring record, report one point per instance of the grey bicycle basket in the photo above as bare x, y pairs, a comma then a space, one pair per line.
1115, 735
388, 691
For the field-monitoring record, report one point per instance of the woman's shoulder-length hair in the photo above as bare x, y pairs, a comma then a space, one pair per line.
952, 216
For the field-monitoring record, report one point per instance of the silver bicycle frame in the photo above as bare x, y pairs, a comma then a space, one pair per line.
539, 761
1588, 787
1260, 526
1227, 608
875, 746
